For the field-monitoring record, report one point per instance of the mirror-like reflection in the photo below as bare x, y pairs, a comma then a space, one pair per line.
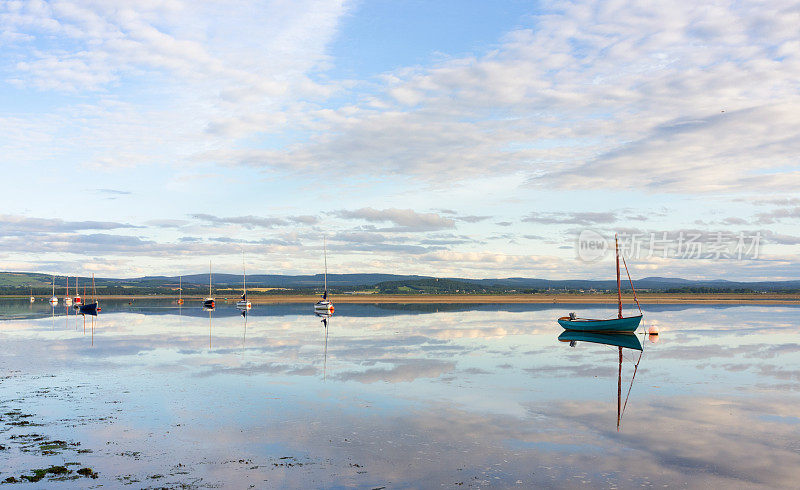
394, 395
618, 340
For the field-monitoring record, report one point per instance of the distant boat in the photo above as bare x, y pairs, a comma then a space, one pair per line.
619, 324
244, 304
180, 290
209, 302
32, 298
67, 299
77, 301
324, 305
91, 308
54, 299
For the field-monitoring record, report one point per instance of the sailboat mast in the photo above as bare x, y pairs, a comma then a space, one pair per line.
619, 287
325, 253
209, 279
180, 287
244, 279
93, 289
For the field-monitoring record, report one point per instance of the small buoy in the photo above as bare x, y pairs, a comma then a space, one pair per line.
653, 330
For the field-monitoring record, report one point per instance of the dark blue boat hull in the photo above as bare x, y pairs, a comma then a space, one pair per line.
627, 324
88, 309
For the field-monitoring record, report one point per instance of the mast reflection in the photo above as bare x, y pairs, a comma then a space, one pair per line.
618, 340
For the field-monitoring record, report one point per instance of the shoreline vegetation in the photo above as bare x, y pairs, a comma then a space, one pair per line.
644, 298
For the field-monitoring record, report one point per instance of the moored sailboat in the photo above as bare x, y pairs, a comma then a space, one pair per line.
67, 299
92, 308
77, 301
324, 305
54, 298
243, 303
180, 290
32, 298
209, 302
619, 324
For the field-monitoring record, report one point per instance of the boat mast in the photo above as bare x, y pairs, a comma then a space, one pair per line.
93, 289
619, 287
180, 288
209, 278
244, 279
325, 253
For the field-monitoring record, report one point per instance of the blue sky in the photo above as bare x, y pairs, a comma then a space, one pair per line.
473, 139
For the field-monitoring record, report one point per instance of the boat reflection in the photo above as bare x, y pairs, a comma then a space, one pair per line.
326, 316
627, 340
244, 333
618, 340
210, 311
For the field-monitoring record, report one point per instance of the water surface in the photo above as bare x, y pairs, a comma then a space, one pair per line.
398, 396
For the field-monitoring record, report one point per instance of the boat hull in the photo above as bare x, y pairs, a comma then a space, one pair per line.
89, 309
323, 306
619, 339
626, 324
209, 303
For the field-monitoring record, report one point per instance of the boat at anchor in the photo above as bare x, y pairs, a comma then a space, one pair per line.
324, 305
619, 324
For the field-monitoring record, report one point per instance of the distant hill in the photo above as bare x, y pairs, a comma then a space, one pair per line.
20, 282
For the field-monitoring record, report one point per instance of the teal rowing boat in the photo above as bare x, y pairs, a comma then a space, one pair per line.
620, 324
627, 340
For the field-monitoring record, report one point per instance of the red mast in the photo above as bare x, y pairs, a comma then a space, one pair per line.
619, 287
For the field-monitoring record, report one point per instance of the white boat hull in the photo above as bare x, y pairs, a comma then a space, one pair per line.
323, 306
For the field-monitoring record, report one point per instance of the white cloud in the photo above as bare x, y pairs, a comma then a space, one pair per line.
630, 95
403, 219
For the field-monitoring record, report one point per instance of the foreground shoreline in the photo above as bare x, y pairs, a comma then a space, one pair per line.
656, 298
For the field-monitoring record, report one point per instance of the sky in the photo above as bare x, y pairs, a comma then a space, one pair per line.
453, 138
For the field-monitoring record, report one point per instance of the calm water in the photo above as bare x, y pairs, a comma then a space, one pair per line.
398, 396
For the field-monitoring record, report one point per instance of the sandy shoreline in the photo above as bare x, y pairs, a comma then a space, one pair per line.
758, 299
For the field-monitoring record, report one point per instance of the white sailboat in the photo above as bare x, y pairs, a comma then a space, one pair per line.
180, 290
243, 303
77, 301
32, 298
324, 305
209, 302
67, 299
54, 298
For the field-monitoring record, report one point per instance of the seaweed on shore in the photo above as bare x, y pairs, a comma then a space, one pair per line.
38, 474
